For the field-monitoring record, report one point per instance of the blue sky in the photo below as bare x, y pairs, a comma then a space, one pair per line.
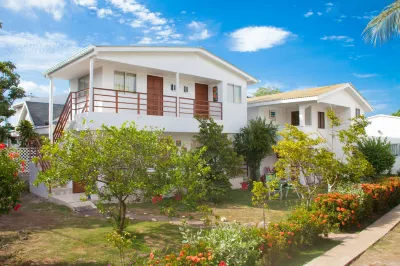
288, 44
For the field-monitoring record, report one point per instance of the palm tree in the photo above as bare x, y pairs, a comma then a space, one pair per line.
26, 132
384, 26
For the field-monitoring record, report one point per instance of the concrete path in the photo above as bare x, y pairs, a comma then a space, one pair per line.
348, 251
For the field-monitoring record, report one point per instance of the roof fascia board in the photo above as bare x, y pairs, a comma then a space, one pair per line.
69, 60
347, 85
297, 100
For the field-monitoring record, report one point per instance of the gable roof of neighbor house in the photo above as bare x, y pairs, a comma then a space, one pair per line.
93, 49
307, 94
39, 112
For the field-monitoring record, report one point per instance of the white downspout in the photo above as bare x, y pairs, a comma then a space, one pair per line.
177, 94
91, 90
51, 116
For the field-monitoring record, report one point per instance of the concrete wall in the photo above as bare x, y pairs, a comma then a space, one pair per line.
40, 190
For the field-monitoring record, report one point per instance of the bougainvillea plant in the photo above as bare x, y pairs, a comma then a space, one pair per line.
11, 187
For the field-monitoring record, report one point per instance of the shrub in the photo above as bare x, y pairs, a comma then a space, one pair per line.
11, 187
378, 153
340, 210
385, 195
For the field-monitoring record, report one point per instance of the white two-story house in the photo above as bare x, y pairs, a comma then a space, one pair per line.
160, 87
307, 109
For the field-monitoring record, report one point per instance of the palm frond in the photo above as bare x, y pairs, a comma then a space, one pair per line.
384, 26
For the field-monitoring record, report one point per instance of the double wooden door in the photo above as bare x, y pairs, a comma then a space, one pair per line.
155, 98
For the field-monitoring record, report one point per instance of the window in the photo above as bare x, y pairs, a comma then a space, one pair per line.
234, 94
358, 112
173, 87
321, 120
395, 148
83, 83
185, 89
272, 114
124, 81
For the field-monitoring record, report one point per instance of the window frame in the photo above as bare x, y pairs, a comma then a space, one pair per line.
358, 112
232, 98
321, 121
83, 92
124, 85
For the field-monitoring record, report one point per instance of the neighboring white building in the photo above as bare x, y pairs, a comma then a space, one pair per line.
307, 109
162, 87
387, 126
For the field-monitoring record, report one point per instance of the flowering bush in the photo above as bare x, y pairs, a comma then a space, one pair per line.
340, 210
385, 195
11, 187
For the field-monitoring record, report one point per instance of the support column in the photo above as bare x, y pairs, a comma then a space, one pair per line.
302, 115
51, 116
177, 94
91, 91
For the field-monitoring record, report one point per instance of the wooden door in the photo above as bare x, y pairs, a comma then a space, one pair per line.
201, 100
77, 187
155, 95
295, 118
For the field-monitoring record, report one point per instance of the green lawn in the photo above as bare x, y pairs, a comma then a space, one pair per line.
45, 233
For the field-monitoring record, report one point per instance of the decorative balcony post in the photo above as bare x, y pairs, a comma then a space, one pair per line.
177, 95
51, 92
91, 91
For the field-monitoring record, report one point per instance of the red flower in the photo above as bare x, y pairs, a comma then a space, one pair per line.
16, 207
269, 245
2, 146
151, 257
222, 263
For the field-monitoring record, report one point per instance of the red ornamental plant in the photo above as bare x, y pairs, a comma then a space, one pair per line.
12, 186
385, 195
156, 199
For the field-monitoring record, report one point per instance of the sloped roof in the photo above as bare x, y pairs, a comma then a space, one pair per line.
296, 94
39, 112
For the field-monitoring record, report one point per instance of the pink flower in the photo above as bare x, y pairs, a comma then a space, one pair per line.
222, 263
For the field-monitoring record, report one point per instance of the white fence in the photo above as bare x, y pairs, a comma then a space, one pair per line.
27, 154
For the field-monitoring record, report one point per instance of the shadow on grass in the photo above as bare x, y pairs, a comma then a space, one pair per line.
306, 255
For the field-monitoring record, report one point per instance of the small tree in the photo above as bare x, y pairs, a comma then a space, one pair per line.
261, 91
254, 143
219, 156
378, 153
303, 159
262, 193
9, 92
397, 113
26, 132
11, 187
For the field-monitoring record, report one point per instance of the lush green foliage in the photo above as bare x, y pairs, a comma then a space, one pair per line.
9, 92
219, 156
26, 132
254, 143
11, 187
261, 91
129, 164
262, 193
378, 153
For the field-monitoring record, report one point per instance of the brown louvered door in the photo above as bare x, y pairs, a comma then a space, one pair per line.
155, 95
201, 100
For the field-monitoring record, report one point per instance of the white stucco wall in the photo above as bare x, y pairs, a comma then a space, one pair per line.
386, 126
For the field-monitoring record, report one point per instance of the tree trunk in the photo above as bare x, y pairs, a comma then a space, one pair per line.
122, 216
254, 172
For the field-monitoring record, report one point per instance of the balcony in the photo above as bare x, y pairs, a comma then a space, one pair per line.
134, 104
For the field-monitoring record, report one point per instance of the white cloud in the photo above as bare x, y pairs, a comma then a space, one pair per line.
183, 12
200, 31
329, 7
345, 41
91, 4
104, 12
367, 15
319, 13
309, 14
356, 57
32, 87
36, 52
140, 11
251, 39
363, 76
53, 7
145, 40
